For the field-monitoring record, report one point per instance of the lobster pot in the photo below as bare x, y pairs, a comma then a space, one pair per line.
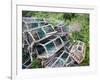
60, 59
38, 29
27, 40
38, 34
42, 32
32, 22
33, 19
49, 46
36, 24
49, 29
78, 51
62, 29
26, 59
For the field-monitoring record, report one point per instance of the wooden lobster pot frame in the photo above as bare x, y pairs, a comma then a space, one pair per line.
78, 51
60, 59
34, 31
62, 29
50, 46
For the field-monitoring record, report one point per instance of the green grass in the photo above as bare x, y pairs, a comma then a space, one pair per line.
36, 63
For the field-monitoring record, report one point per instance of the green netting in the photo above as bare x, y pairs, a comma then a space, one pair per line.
50, 47
41, 33
64, 56
34, 25
48, 29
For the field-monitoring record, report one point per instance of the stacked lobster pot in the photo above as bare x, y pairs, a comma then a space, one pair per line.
61, 57
50, 44
33, 31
